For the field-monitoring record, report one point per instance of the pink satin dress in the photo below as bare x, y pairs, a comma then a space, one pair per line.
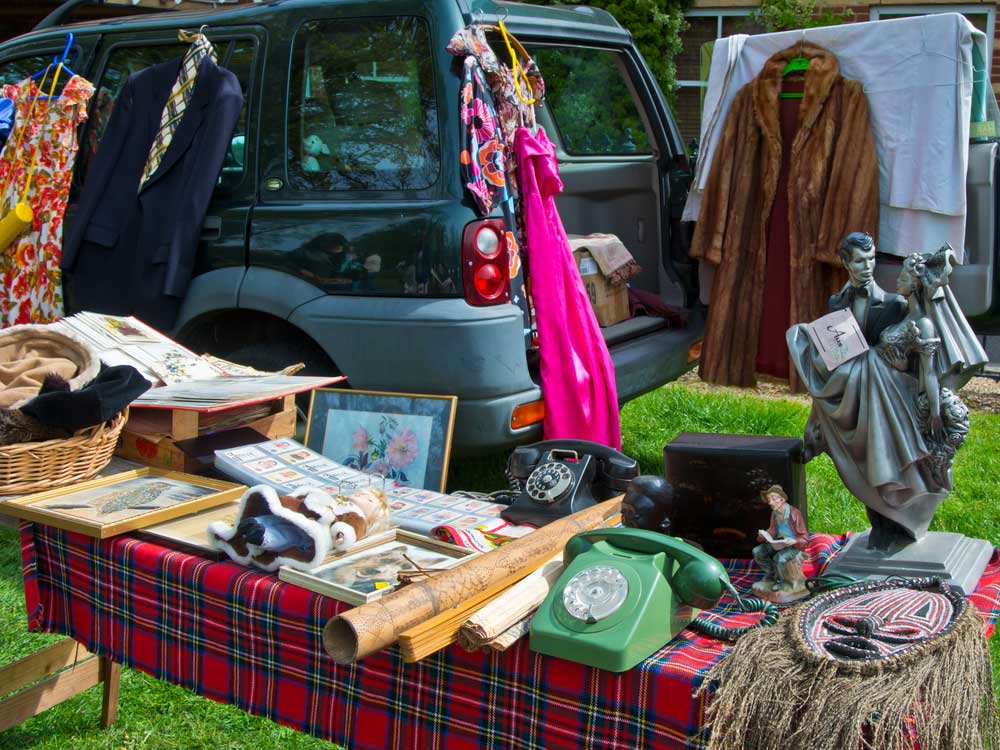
578, 377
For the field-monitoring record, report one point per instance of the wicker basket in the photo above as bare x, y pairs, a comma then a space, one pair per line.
33, 467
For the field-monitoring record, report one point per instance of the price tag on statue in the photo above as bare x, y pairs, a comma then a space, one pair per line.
838, 338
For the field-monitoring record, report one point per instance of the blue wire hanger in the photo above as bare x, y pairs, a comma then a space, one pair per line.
59, 58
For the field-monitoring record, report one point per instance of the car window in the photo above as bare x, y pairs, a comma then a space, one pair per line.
592, 105
123, 61
239, 60
15, 71
362, 111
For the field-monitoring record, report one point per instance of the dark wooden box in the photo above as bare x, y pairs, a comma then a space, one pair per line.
717, 480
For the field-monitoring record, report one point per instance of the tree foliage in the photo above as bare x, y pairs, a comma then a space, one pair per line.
656, 26
785, 15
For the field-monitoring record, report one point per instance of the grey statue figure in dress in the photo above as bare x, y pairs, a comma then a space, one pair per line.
890, 419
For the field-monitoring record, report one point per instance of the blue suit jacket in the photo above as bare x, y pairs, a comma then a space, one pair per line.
131, 251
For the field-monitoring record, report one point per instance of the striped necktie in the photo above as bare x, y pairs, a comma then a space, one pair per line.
177, 102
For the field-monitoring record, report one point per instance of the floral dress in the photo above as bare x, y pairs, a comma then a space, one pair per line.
31, 279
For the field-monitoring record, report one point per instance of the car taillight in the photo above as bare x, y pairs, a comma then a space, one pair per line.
485, 272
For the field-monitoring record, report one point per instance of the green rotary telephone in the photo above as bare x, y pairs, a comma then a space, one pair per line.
623, 594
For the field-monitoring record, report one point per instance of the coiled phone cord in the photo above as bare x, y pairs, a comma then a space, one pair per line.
748, 604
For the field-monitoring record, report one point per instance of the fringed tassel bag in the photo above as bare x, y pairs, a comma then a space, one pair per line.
888, 665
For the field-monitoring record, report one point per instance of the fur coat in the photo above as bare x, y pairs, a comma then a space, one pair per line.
832, 190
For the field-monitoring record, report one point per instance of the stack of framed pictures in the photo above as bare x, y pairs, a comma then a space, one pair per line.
122, 502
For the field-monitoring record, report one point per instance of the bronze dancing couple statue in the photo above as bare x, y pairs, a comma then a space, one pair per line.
890, 418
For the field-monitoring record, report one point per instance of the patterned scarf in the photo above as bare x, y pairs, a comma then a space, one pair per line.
177, 102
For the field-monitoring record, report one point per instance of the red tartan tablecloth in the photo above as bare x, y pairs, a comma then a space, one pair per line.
244, 638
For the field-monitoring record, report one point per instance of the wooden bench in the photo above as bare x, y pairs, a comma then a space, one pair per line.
65, 669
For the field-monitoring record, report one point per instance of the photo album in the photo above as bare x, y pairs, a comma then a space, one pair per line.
289, 466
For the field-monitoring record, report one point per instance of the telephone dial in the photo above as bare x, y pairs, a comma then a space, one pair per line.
622, 595
560, 477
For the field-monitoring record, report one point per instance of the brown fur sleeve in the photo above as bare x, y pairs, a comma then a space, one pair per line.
852, 194
718, 200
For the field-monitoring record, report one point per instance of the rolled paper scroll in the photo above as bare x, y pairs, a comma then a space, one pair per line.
511, 636
512, 606
371, 627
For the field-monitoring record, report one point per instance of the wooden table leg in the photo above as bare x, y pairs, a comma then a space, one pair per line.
111, 675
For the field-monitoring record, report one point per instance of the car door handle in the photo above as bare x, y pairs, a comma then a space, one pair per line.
211, 229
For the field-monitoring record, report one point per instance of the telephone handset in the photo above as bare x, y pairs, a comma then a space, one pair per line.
622, 595
560, 477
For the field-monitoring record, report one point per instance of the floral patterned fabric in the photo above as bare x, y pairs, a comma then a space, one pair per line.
488, 132
485, 169
32, 281
483, 151
512, 113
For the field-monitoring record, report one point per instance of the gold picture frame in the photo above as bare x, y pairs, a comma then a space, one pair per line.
405, 437
129, 501
364, 575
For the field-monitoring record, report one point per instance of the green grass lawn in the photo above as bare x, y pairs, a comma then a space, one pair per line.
153, 714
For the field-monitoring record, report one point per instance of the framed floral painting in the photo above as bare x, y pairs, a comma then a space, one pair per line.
405, 437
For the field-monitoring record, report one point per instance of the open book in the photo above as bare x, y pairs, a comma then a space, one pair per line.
129, 341
776, 543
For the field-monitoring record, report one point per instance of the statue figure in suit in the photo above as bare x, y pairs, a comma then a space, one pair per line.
874, 308
889, 418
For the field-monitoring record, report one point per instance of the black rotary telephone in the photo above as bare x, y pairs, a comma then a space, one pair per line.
560, 477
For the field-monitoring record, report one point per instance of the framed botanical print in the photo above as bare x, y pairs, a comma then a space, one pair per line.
123, 502
404, 437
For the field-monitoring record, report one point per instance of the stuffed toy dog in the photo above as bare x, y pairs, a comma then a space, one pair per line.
298, 530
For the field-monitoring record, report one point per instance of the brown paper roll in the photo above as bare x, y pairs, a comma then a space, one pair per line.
371, 627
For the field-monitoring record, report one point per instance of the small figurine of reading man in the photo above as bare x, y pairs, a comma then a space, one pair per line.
781, 551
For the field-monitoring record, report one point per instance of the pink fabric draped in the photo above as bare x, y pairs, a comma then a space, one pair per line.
578, 378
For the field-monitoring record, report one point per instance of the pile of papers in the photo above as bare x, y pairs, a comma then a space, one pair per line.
288, 465
224, 391
181, 379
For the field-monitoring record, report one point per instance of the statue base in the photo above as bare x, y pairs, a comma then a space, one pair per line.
955, 558
767, 593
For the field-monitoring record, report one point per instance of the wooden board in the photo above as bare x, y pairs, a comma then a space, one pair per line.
190, 533
65, 669
25, 508
165, 454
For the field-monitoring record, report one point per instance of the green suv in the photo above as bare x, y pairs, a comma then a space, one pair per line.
340, 226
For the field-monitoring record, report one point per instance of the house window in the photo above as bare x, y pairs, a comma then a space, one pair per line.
983, 17
693, 63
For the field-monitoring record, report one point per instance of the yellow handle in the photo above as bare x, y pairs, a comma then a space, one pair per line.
34, 155
14, 224
515, 64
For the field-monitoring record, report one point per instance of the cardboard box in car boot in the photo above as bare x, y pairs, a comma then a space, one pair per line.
610, 301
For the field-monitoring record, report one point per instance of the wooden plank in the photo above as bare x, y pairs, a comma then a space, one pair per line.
111, 676
184, 424
44, 695
41, 664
